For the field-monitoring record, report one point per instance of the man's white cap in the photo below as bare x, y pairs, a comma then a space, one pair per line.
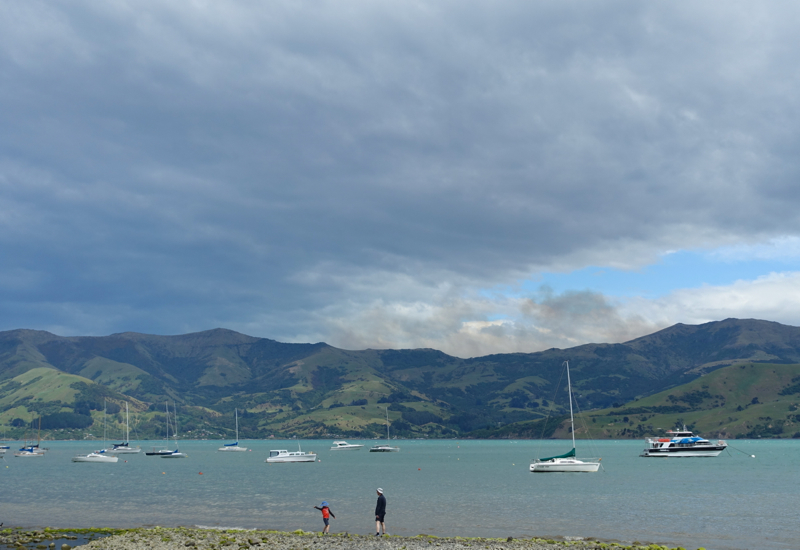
380, 490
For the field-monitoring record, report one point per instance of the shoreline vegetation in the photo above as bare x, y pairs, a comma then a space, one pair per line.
174, 538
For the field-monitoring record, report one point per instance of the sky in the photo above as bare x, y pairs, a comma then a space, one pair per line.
471, 176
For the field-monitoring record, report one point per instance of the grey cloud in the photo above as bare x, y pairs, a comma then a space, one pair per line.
175, 166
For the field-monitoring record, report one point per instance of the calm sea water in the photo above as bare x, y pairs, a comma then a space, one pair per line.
465, 488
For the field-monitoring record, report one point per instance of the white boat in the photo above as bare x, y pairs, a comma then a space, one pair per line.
682, 443
101, 455
97, 456
27, 452
283, 455
345, 446
176, 453
386, 448
567, 461
125, 448
230, 447
31, 450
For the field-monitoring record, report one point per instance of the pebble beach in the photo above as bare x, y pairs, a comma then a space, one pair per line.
158, 538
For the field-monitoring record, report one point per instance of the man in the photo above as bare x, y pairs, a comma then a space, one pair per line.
380, 513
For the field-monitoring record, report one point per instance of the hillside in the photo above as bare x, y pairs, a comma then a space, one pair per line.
318, 390
745, 400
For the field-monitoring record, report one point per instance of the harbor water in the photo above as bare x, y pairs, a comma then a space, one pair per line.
446, 488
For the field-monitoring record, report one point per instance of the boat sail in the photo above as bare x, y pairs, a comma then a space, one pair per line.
125, 448
228, 447
566, 462
387, 448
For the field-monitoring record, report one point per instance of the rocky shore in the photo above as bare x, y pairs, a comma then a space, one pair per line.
208, 539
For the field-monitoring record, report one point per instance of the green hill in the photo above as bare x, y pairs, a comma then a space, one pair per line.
316, 390
746, 400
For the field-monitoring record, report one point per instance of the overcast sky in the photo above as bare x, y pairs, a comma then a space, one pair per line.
476, 177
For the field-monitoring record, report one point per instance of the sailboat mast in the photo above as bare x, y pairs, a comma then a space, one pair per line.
571, 419
127, 424
387, 423
236, 412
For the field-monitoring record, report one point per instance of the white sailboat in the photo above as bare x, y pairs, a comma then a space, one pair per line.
566, 462
176, 453
125, 448
234, 446
31, 450
101, 455
387, 448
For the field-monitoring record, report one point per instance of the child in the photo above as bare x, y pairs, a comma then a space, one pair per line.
326, 513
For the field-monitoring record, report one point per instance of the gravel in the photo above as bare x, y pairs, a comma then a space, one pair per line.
159, 538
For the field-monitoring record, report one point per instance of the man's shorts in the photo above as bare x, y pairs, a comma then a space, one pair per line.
380, 518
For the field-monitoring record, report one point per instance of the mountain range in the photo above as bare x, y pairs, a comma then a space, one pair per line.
681, 374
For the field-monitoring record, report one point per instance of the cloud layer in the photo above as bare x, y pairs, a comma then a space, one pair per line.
368, 173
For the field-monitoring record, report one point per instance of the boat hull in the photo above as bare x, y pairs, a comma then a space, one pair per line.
564, 466
159, 452
93, 457
384, 449
232, 449
279, 459
126, 451
685, 453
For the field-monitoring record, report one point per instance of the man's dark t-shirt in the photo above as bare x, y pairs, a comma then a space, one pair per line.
380, 507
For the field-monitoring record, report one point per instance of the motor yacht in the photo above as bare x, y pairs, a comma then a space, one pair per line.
345, 446
290, 456
682, 443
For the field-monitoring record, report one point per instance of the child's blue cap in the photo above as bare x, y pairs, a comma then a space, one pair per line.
324, 502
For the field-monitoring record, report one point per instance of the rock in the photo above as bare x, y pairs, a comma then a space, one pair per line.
66, 546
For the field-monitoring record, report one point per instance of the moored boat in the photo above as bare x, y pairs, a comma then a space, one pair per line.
385, 447
283, 455
345, 446
233, 447
124, 447
97, 456
682, 443
566, 462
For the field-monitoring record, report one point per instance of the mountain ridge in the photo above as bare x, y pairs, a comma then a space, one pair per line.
316, 389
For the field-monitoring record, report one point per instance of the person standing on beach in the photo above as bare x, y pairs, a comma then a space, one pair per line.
380, 514
326, 514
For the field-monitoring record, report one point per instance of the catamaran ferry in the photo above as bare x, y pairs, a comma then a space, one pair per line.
682, 444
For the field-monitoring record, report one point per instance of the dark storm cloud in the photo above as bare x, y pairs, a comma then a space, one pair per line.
175, 166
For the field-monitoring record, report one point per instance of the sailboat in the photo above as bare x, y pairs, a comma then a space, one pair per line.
125, 448
385, 448
234, 446
163, 451
98, 456
566, 462
32, 450
176, 453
